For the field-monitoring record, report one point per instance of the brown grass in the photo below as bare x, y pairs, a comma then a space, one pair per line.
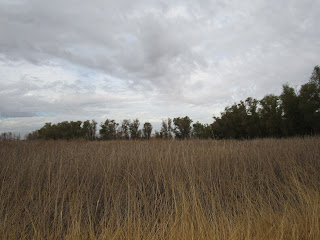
260, 189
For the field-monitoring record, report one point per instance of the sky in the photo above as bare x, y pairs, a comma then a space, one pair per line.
81, 60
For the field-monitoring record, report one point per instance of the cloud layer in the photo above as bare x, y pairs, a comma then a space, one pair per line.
70, 60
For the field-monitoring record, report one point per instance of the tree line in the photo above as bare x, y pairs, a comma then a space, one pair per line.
111, 130
9, 136
290, 114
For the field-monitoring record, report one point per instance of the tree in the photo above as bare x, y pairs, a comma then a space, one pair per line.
271, 115
76, 130
9, 136
183, 127
32, 136
134, 128
66, 130
93, 130
48, 131
125, 126
309, 103
108, 129
86, 130
201, 131
291, 115
253, 128
232, 123
170, 129
139, 134
157, 134
147, 130
198, 130
166, 129
315, 76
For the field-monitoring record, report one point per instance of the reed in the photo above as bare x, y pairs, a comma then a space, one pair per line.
197, 189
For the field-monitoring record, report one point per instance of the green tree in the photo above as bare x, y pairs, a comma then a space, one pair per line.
157, 134
75, 129
89, 130
63, 130
108, 129
9, 136
139, 134
309, 103
271, 115
170, 128
134, 128
291, 116
198, 130
125, 129
48, 131
315, 76
182, 128
86, 130
147, 130
232, 123
33, 135
166, 129
252, 122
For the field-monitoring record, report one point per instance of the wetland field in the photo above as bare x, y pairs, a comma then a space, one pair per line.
160, 189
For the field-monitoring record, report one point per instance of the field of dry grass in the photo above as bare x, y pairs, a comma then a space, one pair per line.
259, 189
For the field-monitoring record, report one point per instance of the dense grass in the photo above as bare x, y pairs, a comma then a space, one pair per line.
259, 189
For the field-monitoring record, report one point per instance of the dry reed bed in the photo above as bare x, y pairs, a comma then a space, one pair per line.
259, 189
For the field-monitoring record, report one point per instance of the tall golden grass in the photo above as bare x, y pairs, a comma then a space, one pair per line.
258, 189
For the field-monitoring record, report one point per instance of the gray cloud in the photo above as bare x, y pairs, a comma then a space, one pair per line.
89, 58
16, 114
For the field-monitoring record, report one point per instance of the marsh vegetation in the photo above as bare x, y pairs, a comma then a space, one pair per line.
160, 189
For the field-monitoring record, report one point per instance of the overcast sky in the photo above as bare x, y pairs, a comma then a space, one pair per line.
78, 60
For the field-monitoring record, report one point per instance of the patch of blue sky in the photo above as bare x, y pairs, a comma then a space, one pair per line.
45, 114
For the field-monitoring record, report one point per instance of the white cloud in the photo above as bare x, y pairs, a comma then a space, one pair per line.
69, 60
